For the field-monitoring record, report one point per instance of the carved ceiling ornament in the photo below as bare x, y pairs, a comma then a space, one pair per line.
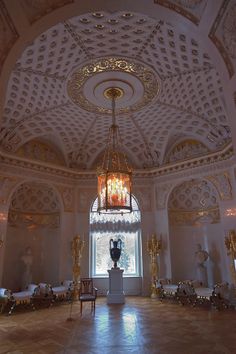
129, 75
222, 182
189, 102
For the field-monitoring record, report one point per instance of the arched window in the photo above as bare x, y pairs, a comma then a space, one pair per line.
105, 226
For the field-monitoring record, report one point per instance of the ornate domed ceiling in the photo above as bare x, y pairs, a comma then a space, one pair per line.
172, 106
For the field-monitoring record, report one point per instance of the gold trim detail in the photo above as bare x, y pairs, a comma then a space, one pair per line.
148, 78
113, 92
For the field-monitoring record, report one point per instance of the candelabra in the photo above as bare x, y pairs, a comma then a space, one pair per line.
77, 246
153, 248
230, 243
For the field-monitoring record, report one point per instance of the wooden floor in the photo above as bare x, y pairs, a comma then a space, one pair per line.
141, 325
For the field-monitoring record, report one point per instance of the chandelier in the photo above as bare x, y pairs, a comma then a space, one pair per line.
114, 174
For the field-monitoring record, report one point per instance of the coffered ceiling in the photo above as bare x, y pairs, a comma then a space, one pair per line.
173, 106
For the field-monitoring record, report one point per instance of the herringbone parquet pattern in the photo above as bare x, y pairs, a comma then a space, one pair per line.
141, 326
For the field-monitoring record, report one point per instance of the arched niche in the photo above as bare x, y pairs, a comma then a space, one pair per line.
32, 240
194, 219
42, 150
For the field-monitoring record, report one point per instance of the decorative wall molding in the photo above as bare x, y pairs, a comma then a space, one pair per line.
161, 192
144, 197
67, 195
31, 220
223, 184
208, 163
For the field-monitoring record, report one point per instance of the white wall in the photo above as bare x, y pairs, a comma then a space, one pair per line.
44, 243
183, 245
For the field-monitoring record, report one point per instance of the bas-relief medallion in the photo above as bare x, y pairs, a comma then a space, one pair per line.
8, 33
35, 9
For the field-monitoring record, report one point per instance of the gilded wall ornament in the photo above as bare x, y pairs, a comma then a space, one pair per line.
195, 217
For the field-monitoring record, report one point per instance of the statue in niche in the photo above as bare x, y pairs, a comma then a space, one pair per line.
27, 260
201, 257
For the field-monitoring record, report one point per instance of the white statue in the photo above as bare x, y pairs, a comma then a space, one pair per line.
201, 257
27, 259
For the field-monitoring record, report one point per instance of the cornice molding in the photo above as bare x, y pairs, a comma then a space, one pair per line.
204, 164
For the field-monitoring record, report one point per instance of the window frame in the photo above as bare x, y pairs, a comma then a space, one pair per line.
138, 247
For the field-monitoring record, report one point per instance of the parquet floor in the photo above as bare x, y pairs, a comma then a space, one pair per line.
140, 326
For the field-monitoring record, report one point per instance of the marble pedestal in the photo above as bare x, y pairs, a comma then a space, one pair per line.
115, 294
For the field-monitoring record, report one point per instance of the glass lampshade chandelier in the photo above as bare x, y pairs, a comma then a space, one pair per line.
114, 174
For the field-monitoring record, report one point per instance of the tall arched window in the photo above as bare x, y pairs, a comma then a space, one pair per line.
105, 226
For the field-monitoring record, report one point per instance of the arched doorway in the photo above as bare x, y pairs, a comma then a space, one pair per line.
194, 220
32, 242
127, 227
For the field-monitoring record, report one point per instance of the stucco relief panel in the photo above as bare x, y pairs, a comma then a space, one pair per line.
161, 195
223, 35
223, 184
67, 195
8, 33
144, 198
35, 9
85, 199
6, 186
191, 9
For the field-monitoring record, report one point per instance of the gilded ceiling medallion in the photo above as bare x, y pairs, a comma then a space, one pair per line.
138, 83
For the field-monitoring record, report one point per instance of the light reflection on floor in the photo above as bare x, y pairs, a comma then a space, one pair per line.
141, 325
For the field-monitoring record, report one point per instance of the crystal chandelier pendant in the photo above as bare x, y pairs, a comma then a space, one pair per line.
114, 175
